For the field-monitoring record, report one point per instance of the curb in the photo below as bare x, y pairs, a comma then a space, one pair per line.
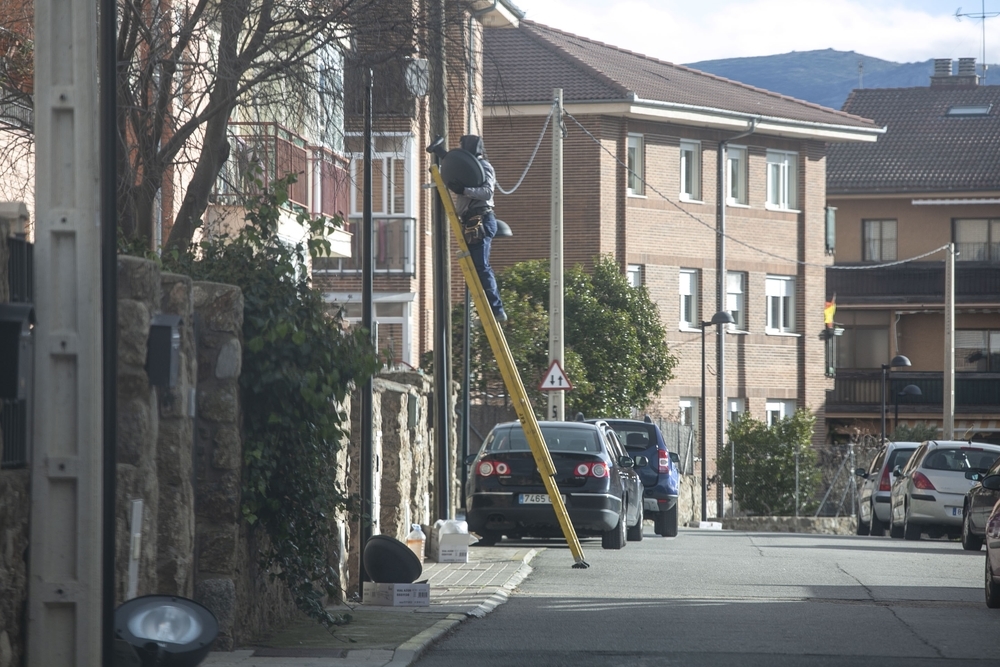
408, 652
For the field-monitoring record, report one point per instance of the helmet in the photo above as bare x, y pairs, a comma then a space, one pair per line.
472, 143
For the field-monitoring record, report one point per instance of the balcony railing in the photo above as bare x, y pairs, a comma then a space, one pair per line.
17, 115
394, 248
322, 184
914, 282
861, 391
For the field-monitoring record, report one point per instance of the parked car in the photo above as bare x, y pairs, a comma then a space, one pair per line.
595, 476
992, 536
660, 479
873, 495
928, 494
979, 502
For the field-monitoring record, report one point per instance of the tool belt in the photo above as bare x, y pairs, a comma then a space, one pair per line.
473, 229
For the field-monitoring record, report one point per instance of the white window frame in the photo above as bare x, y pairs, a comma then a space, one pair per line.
779, 408
977, 251
734, 407
877, 230
780, 294
688, 406
736, 166
690, 164
687, 289
782, 180
634, 275
635, 157
736, 298
407, 354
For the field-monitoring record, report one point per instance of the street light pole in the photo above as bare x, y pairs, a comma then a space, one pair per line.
721, 317
899, 361
908, 390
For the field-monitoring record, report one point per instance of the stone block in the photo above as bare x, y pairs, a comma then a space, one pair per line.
176, 295
220, 307
217, 549
175, 542
132, 381
219, 596
230, 360
219, 403
133, 332
173, 450
139, 279
135, 430
228, 451
219, 499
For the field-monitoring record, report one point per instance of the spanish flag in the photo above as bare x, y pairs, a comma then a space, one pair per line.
829, 311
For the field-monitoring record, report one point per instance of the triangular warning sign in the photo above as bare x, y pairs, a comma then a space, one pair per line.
555, 379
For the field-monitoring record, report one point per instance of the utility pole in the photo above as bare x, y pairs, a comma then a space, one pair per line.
948, 409
65, 587
367, 467
557, 343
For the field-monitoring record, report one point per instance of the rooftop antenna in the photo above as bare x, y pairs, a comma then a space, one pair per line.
982, 15
861, 73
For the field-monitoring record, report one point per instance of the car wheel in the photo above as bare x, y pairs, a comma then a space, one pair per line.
876, 528
991, 587
635, 532
894, 530
670, 522
969, 541
660, 524
488, 538
910, 531
615, 538
863, 528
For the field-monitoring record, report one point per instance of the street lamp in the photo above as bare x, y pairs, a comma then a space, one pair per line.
721, 317
908, 390
899, 361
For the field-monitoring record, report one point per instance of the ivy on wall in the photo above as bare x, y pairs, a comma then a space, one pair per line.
299, 362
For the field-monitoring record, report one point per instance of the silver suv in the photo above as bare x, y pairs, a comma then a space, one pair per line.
873, 495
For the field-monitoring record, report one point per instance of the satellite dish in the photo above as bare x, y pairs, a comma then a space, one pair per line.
389, 561
461, 166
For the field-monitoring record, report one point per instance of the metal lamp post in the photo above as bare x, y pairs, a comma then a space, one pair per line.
899, 361
721, 317
908, 390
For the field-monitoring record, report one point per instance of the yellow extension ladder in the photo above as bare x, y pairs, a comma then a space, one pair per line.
511, 378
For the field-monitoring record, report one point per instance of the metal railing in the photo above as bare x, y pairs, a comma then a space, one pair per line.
14, 413
916, 281
861, 391
17, 115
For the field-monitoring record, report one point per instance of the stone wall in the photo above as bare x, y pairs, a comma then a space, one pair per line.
844, 525
15, 505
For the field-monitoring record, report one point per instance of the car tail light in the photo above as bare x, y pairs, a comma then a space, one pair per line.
884, 484
485, 469
502, 468
664, 465
591, 470
921, 482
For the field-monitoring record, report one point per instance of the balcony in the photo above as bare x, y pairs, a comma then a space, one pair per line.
915, 282
861, 391
394, 248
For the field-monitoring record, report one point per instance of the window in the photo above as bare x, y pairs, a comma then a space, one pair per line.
393, 319
780, 292
879, 244
735, 298
782, 180
737, 406
778, 409
634, 275
977, 351
736, 175
977, 240
863, 347
689, 299
690, 170
636, 156
689, 412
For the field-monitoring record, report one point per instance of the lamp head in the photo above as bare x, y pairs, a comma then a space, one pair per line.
503, 229
722, 317
899, 361
166, 630
911, 390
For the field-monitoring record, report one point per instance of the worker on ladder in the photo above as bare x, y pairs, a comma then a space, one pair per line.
479, 225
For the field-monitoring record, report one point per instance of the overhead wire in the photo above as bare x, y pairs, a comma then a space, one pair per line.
531, 160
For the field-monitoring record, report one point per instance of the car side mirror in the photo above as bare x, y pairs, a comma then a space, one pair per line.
470, 459
974, 475
860, 472
897, 471
991, 482
641, 462
626, 461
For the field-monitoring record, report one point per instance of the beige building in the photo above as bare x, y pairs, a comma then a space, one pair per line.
641, 151
933, 179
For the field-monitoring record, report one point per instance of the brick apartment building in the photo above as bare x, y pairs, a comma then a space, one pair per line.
658, 218
933, 179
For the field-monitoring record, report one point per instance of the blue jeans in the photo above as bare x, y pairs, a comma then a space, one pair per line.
480, 253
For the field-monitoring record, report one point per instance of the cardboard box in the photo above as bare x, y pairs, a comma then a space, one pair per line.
396, 595
449, 547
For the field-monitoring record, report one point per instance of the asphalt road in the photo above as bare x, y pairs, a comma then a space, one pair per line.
740, 600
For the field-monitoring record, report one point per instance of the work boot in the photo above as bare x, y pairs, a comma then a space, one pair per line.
500, 314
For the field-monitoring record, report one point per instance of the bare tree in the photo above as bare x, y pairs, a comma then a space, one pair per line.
16, 88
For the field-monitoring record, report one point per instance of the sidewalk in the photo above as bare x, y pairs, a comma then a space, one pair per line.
396, 636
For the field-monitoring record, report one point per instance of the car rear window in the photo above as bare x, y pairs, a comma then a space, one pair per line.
960, 459
557, 439
899, 457
636, 436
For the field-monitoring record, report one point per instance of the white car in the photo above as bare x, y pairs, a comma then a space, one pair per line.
928, 494
873, 494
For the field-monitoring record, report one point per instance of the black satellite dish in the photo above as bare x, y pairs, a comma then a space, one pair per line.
389, 561
462, 167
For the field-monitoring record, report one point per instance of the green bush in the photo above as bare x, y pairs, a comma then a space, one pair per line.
298, 364
765, 464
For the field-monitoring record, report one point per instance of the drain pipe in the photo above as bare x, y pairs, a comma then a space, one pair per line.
720, 347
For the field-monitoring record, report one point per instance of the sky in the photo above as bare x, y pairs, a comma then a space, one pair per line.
685, 31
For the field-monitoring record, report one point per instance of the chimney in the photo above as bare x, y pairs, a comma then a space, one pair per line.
966, 77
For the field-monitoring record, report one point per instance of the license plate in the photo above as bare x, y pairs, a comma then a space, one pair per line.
953, 511
536, 499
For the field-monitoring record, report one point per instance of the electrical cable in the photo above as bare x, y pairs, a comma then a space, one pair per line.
533, 154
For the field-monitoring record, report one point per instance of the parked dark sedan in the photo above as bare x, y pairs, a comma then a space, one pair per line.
979, 502
992, 579
597, 479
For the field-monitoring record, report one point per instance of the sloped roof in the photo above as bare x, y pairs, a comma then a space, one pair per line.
923, 148
523, 65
